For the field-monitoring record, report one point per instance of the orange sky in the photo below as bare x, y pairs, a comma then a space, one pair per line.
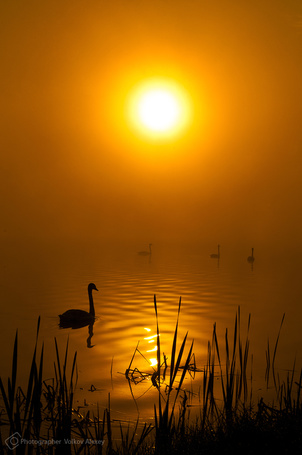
70, 164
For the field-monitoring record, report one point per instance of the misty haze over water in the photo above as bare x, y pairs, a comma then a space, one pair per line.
46, 280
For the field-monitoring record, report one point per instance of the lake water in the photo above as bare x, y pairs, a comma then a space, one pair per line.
46, 280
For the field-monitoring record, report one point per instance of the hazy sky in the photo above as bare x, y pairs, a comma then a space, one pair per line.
70, 164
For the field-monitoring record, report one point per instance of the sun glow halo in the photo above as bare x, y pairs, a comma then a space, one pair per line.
159, 108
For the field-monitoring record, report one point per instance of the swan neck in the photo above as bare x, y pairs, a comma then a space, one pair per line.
91, 306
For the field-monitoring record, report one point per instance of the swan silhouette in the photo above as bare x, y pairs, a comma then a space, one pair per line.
146, 253
251, 258
216, 255
79, 318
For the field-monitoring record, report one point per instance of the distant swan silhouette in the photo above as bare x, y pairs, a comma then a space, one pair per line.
216, 255
251, 258
79, 317
146, 253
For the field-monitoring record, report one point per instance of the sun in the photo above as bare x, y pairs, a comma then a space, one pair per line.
158, 108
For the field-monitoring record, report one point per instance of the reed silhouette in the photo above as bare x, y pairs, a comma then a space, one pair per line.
230, 420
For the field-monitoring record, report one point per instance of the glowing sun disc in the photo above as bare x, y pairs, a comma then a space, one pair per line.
159, 108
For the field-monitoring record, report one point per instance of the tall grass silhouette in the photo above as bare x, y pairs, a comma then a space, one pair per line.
229, 417
165, 424
230, 420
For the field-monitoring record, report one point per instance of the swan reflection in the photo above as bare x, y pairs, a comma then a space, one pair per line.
78, 325
90, 335
216, 255
251, 259
146, 253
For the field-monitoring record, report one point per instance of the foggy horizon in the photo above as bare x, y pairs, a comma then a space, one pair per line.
72, 168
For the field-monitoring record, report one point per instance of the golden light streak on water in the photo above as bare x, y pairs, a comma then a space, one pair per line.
153, 362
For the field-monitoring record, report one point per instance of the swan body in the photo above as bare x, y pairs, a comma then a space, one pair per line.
146, 253
79, 317
251, 258
216, 255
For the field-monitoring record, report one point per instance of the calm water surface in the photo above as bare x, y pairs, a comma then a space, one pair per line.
47, 280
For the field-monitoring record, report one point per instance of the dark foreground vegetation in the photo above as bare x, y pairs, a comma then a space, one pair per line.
229, 420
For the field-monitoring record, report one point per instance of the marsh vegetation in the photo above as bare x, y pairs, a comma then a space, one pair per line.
229, 418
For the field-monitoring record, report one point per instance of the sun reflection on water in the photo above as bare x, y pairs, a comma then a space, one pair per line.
153, 362
152, 350
151, 339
